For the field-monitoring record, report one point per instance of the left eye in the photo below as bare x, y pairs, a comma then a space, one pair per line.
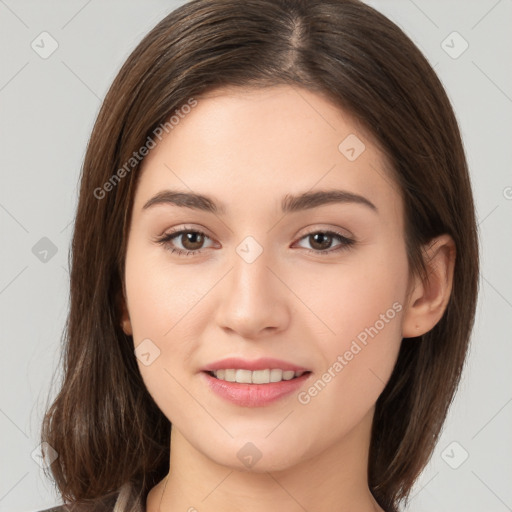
192, 240
323, 241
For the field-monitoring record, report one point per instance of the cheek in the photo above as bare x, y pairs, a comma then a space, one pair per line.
360, 306
159, 295
351, 296
161, 305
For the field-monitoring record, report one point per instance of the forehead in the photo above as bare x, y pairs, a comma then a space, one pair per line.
247, 145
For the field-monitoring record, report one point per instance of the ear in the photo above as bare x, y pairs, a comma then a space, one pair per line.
126, 324
429, 297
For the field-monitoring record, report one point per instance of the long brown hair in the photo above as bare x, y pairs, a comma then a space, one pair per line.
106, 428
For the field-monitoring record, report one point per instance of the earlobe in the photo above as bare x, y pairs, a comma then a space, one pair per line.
126, 324
430, 295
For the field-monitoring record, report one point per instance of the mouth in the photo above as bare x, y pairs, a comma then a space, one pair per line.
262, 392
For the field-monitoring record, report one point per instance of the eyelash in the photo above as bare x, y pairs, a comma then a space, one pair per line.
346, 243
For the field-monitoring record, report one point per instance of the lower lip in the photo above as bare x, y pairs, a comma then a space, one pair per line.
254, 395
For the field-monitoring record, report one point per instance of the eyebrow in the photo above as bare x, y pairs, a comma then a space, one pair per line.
289, 204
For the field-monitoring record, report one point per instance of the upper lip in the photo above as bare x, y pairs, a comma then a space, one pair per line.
257, 364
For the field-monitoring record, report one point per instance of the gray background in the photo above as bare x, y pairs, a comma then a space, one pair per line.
48, 106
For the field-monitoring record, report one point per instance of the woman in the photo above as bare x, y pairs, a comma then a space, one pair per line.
275, 252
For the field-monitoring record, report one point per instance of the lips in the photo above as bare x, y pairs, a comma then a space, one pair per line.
255, 395
263, 363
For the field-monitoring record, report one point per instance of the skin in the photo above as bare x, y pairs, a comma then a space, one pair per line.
247, 148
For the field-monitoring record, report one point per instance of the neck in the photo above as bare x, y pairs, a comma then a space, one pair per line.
335, 479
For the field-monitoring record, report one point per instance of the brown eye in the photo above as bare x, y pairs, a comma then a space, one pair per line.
191, 241
321, 242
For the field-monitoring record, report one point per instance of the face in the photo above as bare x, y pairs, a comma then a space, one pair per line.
319, 285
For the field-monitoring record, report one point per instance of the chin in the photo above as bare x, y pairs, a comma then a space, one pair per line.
258, 455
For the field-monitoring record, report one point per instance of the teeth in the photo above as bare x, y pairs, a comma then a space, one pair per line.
257, 376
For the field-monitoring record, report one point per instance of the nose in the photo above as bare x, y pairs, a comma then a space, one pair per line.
255, 301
